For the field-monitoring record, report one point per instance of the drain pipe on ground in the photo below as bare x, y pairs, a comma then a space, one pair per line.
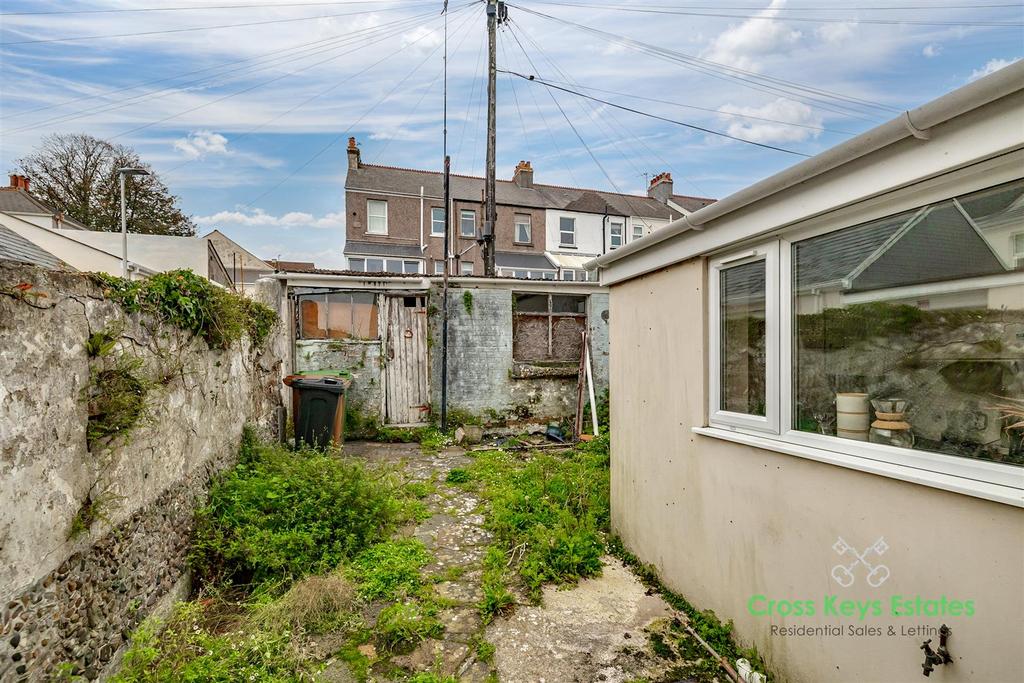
722, 661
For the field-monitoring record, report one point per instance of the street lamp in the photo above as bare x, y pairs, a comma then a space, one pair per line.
122, 172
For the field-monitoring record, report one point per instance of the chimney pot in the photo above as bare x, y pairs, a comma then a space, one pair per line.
19, 182
353, 154
661, 187
523, 176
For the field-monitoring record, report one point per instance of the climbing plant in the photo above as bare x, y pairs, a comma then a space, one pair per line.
193, 303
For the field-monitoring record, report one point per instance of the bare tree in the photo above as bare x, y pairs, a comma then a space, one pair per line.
77, 174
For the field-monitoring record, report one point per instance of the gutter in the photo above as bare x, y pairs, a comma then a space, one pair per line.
915, 123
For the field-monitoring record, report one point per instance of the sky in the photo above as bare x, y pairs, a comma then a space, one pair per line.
246, 120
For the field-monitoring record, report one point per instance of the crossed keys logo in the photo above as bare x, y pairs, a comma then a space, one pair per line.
843, 573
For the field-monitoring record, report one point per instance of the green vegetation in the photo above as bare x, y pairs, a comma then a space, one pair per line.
404, 624
115, 397
548, 514
390, 570
458, 476
707, 625
467, 301
282, 514
186, 648
193, 303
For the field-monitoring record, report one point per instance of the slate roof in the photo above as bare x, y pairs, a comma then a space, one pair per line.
16, 200
388, 179
522, 261
382, 249
14, 247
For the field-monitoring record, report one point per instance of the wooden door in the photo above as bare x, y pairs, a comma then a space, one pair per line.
406, 389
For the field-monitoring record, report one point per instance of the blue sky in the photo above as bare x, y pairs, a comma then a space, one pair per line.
248, 124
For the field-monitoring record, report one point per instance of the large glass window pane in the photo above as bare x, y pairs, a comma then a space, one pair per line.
567, 231
743, 339
467, 223
437, 222
376, 217
908, 330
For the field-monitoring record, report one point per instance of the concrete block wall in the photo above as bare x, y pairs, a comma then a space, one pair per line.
72, 598
360, 358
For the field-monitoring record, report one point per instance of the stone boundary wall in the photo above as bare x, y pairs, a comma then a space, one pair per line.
91, 541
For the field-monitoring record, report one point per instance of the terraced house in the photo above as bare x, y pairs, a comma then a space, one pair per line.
395, 221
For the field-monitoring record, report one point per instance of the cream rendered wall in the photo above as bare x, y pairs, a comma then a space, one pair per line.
588, 232
723, 521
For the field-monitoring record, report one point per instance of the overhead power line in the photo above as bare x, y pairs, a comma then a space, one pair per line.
710, 131
843, 104
769, 17
138, 34
370, 36
200, 8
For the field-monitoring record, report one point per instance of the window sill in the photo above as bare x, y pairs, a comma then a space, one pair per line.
544, 370
567, 246
999, 493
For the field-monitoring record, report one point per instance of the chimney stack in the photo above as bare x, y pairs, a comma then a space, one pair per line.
661, 187
19, 182
523, 177
353, 154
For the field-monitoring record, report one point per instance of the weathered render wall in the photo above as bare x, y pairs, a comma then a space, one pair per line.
723, 521
360, 358
481, 376
72, 599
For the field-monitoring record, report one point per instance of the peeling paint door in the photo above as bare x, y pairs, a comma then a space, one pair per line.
406, 390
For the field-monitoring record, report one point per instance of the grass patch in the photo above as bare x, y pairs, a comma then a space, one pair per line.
390, 570
282, 514
548, 513
314, 604
458, 476
187, 648
405, 624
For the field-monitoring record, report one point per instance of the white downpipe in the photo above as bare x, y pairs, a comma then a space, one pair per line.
423, 247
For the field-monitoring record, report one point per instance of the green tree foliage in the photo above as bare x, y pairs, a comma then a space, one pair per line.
77, 174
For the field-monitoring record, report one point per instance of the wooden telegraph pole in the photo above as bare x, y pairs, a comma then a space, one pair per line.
496, 13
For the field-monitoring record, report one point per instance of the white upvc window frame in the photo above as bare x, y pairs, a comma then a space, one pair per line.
467, 215
563, 231
768, 252
369, 215
463, 270
434, 230
1017, 252
616, 234
977, 478
638, 228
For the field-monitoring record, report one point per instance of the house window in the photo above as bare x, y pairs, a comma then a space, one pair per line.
437, 222
376, 217
567, 231
569, 275
894, 339
522, 228
338, 315
467, 223
615, 235
638, 231
548, 327
384, 265
1018, 250
465, 267
438, 267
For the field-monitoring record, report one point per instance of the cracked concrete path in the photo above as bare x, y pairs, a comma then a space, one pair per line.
608, 628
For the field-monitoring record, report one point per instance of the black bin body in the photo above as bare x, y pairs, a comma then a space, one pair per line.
319, 411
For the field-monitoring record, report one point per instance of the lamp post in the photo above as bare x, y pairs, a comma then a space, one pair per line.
122, 172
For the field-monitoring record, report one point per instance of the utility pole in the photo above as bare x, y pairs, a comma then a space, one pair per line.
447, 234
496, 14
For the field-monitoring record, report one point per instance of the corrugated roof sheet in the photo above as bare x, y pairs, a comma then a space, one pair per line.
388, 179
14, 247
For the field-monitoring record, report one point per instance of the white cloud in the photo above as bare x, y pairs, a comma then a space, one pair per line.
836, 34
745, 45
202, 143
932, 50
261, 219
425, 38
991, 66
766, 131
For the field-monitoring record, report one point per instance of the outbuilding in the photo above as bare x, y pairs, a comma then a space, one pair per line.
812, 387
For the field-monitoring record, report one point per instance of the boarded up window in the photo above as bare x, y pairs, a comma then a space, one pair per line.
338, 315
548, 327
